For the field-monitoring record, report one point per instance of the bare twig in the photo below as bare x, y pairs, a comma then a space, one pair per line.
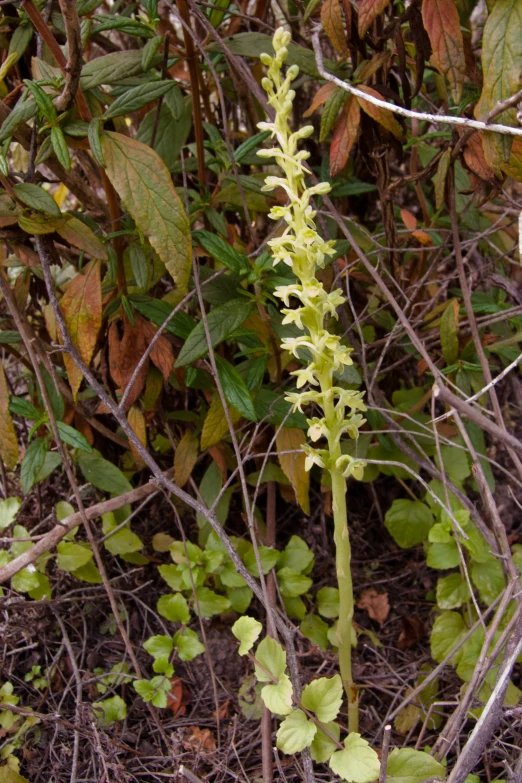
73, 67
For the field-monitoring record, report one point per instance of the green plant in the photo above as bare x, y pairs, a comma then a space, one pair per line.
301, 248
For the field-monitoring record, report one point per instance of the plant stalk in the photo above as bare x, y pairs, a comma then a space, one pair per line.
344, 581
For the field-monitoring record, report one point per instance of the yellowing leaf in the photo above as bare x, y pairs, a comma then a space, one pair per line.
78, 234
81, 306
136, 420
501, 68
185, 458
215, 426
8, 440
513, 168
441, 20
439, 179
449, 325
293, 465
383, 116
368, 11
143, 183
344, 135
332, 21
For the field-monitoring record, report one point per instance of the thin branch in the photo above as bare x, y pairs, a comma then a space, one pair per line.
441, 119
73, 68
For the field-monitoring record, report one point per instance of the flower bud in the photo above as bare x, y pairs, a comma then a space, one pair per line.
305, 132
322, 188
292, 72
266, 84
266, 59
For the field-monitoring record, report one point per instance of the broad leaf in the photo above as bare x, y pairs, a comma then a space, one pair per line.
452, 591
234, 389
409, 522
143, 183
72, 556
215, 426
185, 458
174, 608
358, 762
278, 698
295, 733
272, 660
81, 306
187, 644
103, 474
384, 117
9, 508
328, 602
449, 339
447, 631
369, 10
222, 251
406, 765
210, 603
136, 97
323, 746
221, 322
36, 198
247, 631
159, 646
332, 21
442, 23
344, 135
324, 697
32, 463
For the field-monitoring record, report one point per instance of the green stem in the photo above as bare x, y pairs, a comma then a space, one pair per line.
344, 581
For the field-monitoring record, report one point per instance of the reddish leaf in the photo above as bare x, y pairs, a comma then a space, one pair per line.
289, 439
376, 604
412, 632
409, 220
333, 23
475, 160
124, 356
320, 97
344, 135
81, 306
199, 740
162, 353
178, 698
383, 116
368, 11
442, 24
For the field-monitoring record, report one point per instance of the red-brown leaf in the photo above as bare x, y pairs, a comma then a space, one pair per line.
162, 354
368, 11
383, 116
8, 440
320, 97
333, 24
441, 20
344, 135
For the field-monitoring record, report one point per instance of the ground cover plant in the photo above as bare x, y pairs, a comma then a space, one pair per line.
260, 318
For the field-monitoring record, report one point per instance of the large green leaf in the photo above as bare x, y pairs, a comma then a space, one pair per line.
254, 44
103, 474
406, 765
234, 389
143, 183
221, 322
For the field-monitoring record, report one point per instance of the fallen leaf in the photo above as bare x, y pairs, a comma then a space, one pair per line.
223, 711
408, 717
376, 604
199, 740
178, 697
293, 465
413, 630
81, 306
